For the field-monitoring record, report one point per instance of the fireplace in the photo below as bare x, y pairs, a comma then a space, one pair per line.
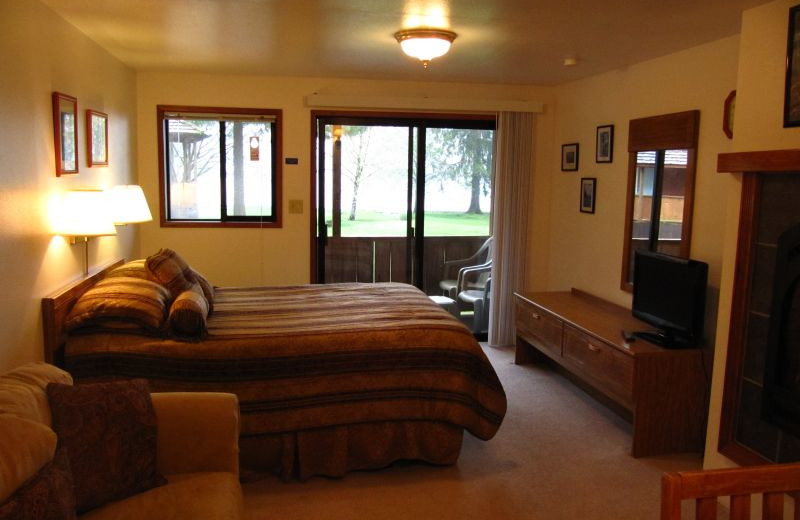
781, 401
760, 419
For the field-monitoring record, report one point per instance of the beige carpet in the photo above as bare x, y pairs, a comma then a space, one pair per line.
558, 455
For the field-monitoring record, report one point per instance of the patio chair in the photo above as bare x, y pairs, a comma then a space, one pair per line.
476, 299
452, 269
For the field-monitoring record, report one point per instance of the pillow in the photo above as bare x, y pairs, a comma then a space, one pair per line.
109, 432
47, 495
188, 313
120, 300
132, 269
171, 271
25, 447
208, 289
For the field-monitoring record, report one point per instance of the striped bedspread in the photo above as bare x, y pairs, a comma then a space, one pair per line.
313, 356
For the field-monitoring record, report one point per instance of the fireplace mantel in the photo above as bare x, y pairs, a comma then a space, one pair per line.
757, 169
766, 161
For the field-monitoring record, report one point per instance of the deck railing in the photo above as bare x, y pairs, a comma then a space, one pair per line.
390, 259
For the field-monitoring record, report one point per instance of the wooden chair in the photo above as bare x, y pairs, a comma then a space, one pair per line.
773, 481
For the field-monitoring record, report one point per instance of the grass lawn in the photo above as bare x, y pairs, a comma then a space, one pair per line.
375, 224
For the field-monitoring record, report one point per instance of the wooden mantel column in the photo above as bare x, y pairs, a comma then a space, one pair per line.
755, 167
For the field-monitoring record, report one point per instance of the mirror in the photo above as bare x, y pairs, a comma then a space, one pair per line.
661, 170
65, 132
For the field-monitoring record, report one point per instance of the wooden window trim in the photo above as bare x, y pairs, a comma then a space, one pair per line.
161, 110
678, 131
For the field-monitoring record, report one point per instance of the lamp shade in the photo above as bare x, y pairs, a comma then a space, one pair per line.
84, 213
129, 205
425, 44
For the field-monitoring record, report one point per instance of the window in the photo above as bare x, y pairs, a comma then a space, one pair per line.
660, 187
219, 166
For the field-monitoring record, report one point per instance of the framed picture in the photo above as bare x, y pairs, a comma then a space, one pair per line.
791, 101
604, 153
97, 141
65, 133
588, 192
569, 157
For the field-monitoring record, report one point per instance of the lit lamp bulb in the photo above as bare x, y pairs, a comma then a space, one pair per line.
425, 44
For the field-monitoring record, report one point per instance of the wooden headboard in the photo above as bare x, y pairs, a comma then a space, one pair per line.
56, 307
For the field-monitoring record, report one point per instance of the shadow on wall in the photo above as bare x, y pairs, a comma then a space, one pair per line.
710, 329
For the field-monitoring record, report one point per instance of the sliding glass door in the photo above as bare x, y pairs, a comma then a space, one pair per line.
396, 197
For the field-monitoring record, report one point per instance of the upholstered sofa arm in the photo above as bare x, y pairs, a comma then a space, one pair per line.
197, 431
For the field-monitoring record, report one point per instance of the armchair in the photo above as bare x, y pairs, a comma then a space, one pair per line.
452, 269
474, 291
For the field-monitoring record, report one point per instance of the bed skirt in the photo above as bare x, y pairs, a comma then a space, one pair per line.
336, 450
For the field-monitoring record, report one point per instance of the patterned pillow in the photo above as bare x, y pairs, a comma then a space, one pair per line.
132, 269
109, 432
171, 271
208, 289
47, 495
188, 313
120, 302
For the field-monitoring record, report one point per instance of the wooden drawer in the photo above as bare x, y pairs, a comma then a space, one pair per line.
607, 368
539, 328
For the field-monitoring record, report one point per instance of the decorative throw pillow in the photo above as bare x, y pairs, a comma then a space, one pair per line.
208, 289
47, 495
171, 271
188, 313
132, 269
122, 301
109, 431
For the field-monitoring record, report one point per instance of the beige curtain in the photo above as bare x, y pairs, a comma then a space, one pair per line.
513, 165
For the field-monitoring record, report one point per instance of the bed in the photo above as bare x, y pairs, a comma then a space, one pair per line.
330, 378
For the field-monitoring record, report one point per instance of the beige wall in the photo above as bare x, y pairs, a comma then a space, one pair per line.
585, 250
758, 125
41, 53
270, 256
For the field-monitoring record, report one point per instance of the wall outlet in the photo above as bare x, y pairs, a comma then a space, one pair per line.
295, 206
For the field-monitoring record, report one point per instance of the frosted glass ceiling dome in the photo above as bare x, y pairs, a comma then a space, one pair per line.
425, 44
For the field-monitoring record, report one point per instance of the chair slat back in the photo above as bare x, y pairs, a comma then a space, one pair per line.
773, 481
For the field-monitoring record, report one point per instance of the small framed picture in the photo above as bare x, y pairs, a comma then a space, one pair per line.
569, 157
97, 141
791, 100
604, 153
588, 192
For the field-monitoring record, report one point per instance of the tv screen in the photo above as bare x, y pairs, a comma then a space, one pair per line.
669, 293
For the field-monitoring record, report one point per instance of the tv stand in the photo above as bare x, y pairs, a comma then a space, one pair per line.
661, 391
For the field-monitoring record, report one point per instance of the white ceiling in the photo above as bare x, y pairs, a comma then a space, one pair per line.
499, 41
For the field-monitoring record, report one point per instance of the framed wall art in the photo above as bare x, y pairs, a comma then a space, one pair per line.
65, 133
97, 138
791, 101
588, 192
569, 157
604, 152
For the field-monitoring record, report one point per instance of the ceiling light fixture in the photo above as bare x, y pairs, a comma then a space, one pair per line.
425, 44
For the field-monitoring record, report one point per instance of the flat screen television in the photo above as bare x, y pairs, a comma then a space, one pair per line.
669, 293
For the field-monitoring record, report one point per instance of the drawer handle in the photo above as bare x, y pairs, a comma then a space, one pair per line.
593, 348
535, 316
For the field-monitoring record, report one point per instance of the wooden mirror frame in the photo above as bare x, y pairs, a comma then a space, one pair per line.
677, 131
59, 132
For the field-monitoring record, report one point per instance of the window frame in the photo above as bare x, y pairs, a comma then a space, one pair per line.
677, 131
230, 222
